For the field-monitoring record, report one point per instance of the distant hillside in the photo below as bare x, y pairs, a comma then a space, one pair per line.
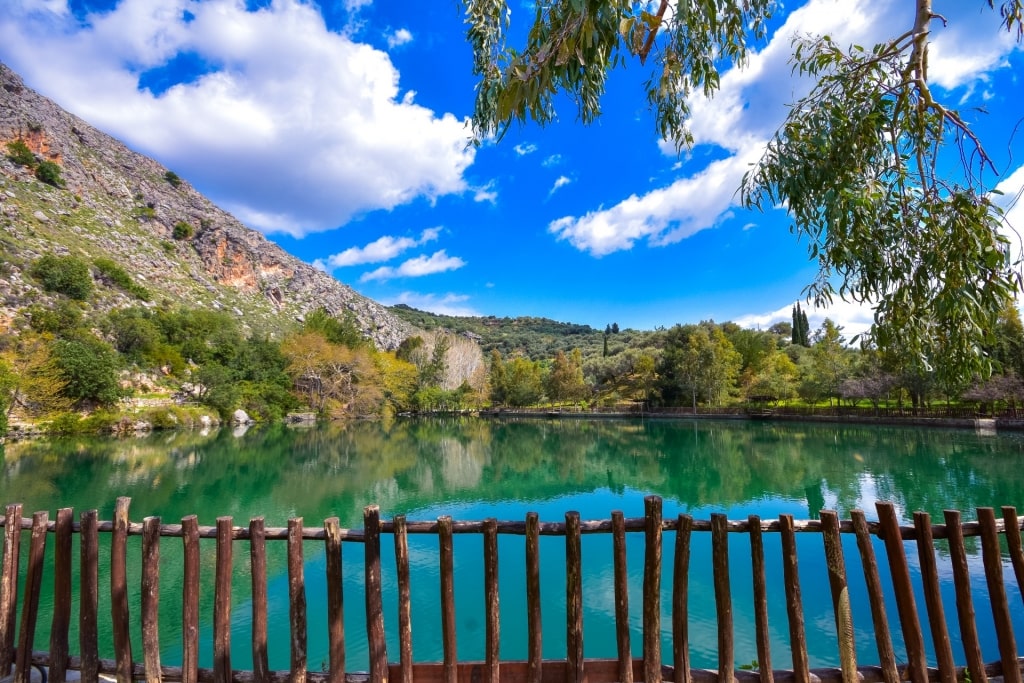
118, 205
536, 338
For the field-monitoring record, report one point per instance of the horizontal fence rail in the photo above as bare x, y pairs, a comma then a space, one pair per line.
999, 537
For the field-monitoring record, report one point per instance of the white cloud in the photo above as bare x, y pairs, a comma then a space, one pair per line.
752, 103
449, 304
382, 249
294, 128
438, 262
485, 193
561, 181
852, 317
553, 160
1012, 188
522, 149
400, 37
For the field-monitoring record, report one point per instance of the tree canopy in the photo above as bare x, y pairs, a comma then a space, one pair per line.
858, 162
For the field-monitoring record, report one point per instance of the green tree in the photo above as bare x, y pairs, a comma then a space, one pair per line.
89, 366
67, 275
855, 163
830, 359
49, 172
565, 380
524, 382
19, 153
337, 330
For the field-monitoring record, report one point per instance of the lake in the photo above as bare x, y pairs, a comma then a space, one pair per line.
473, 468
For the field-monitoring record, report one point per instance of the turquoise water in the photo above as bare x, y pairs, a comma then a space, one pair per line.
472, 469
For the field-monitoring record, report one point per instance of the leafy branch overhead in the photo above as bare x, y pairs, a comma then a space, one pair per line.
890, 187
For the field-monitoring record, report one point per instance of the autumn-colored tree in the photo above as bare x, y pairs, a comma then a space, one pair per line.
36, 386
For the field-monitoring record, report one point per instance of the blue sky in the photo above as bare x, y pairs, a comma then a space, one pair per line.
339, 130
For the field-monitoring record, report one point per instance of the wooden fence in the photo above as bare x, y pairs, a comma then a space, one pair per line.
918, 539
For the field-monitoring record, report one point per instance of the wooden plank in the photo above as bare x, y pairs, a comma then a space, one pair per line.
841, 606
335, 601
534, 647
190, 601
61, 622
297, 600
30, 606
89, 591
964, 603
492, 600
119, 614
652, 589
763, 635
151, 599
794, 601
622, 628
997, 594
933, 598
913, 638
222, 602
9, 587
258, 569
680, 602
723, 596
1013, 544
876, 598
447, 569
404, 599
574, 671
377, 645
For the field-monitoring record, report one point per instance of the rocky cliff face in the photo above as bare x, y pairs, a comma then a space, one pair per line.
124, 206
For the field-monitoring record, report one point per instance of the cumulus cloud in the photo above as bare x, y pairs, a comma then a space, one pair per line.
290, 126
449, 304
438, 262
854, 318
751, 105
561, 181
378, 251
522, 149
485, 193
399, 37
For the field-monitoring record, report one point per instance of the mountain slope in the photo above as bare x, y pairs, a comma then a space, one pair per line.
120, 205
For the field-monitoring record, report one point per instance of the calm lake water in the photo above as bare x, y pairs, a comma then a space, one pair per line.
473, 469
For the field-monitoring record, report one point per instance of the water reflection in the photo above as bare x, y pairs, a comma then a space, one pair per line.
472, 468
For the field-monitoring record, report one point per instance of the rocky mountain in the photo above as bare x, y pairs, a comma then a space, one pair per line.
120, 205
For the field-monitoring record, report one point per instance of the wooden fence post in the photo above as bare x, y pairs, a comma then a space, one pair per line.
533, 614
258, 567
447, 569
933, 597
883, 638
622, 628
680, 601
374, 600
574, 668
794, 602
492, 600
190, 601
30, 607
964, 603
889, 532
840, 593
991, 556
652, 590
222, 602
151, 599
723, 596
119, 592
401, 535
296, 601
88, 611
9, 588
61, 622
335, 600
764, 651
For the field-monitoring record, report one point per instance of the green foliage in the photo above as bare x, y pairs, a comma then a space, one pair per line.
116, 275
182, 231
145, 213
172, 178
49, 172
67, 275
337, 330
19, 153
89, 366
58, 320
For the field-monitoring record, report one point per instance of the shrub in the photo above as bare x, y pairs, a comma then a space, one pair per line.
90, 367
19, 153
65, 275
49, 173
58, 320
173, 179
182, 231
117, 276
